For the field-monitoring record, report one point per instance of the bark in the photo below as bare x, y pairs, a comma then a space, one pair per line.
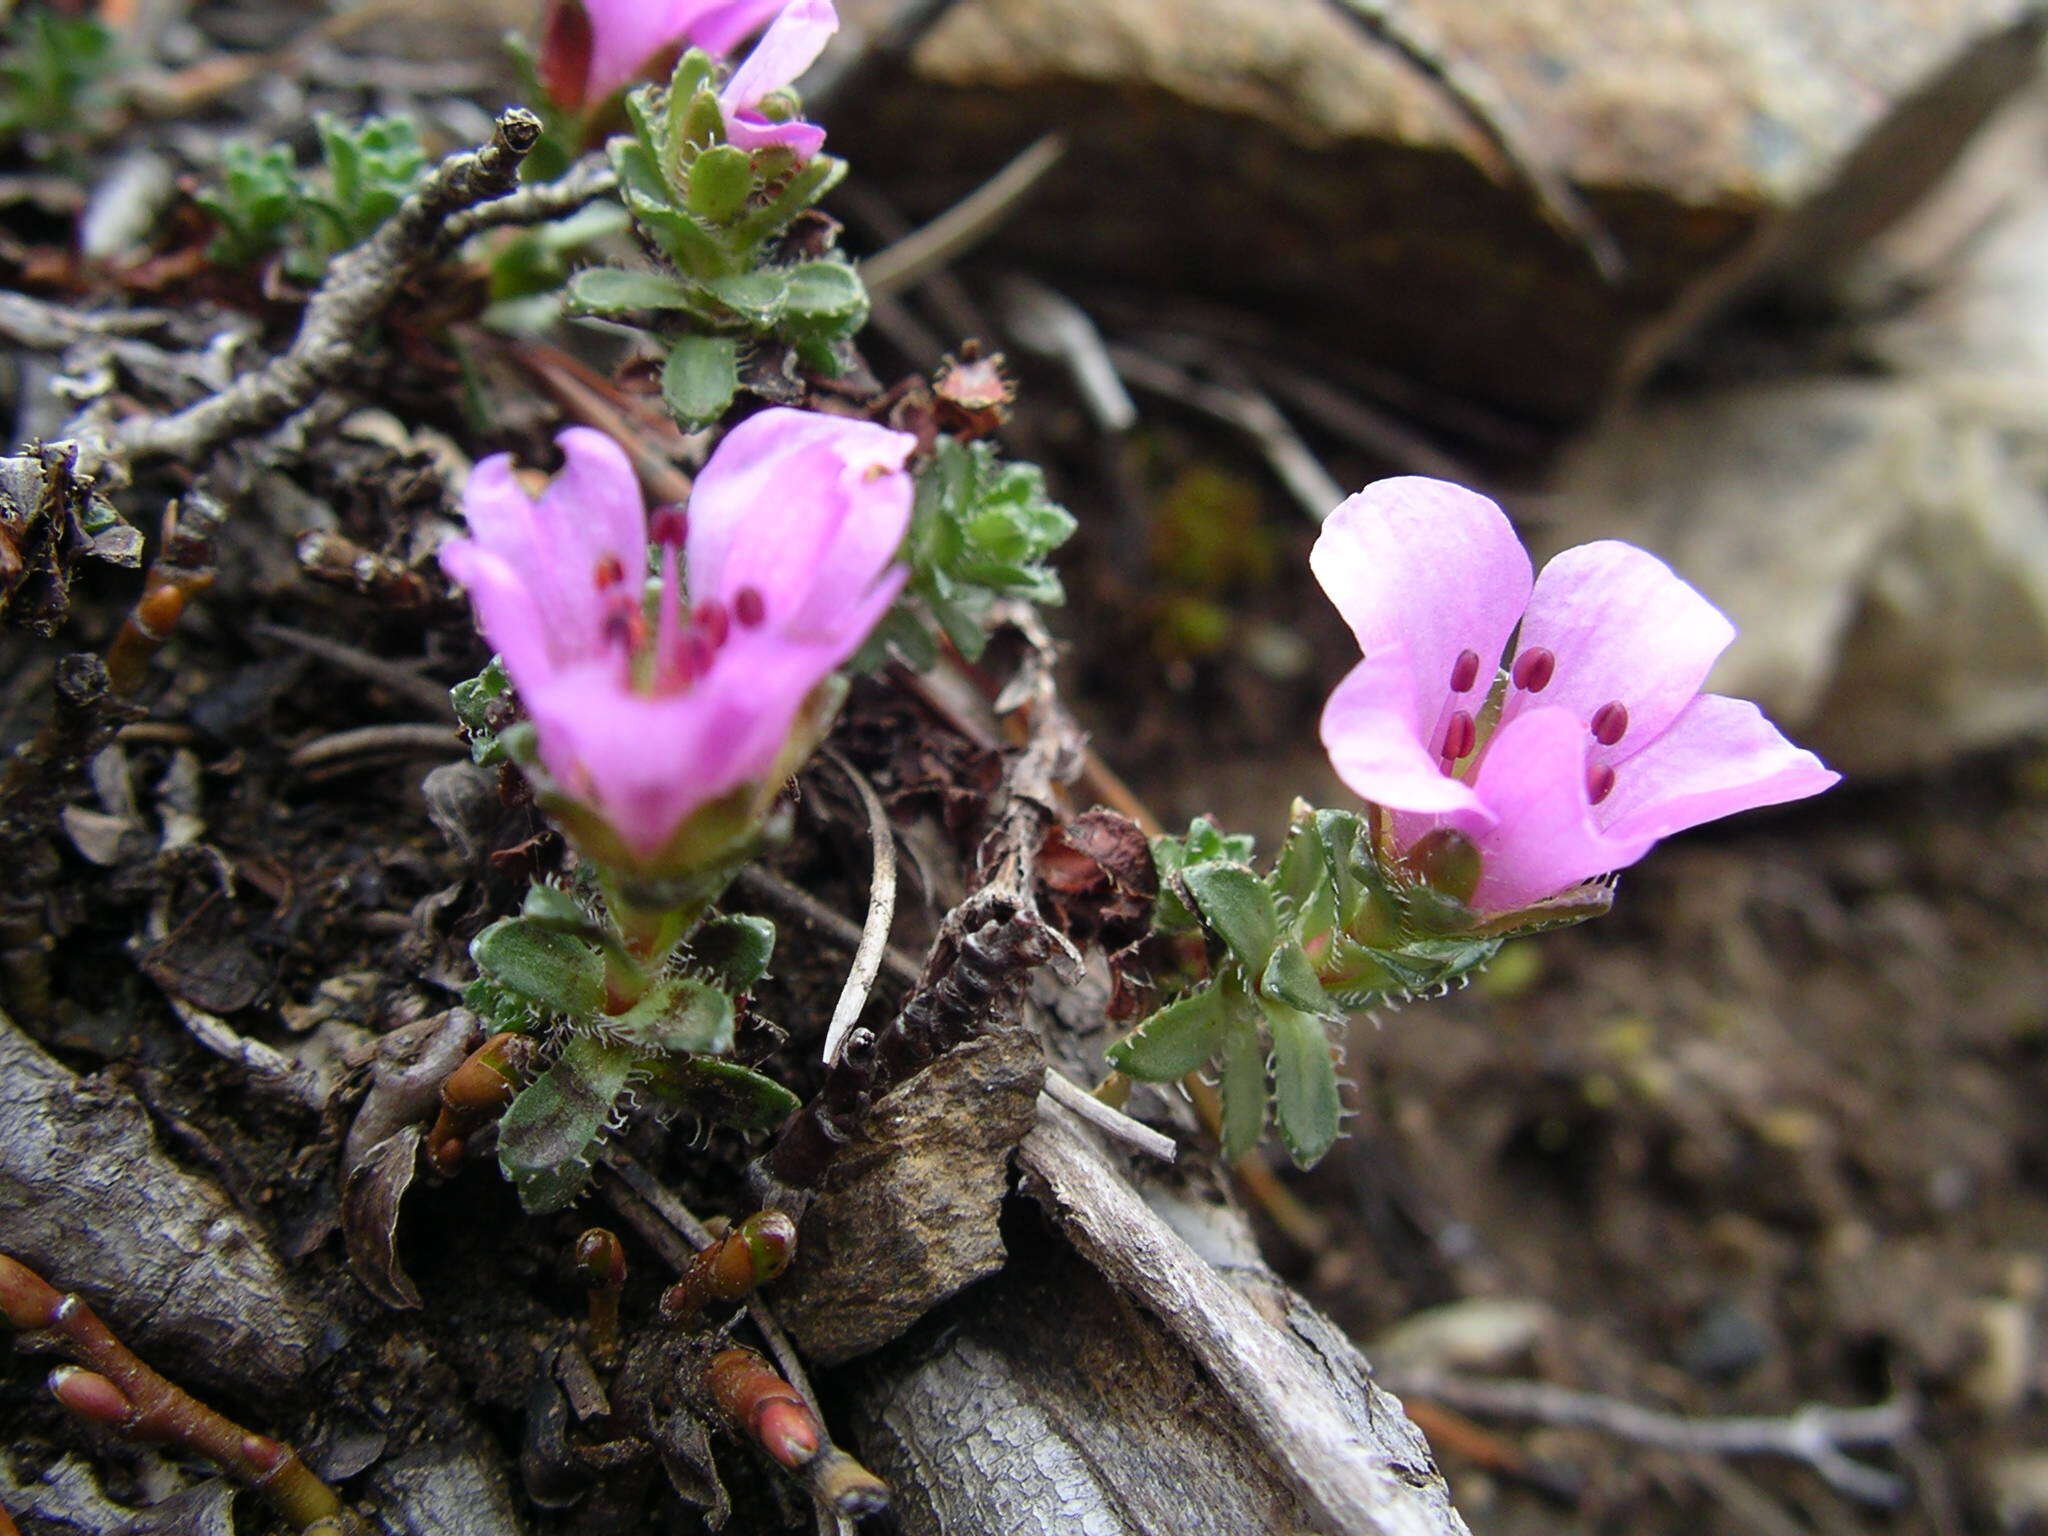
1111, 1381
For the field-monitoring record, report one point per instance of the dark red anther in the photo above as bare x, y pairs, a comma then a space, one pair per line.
1610, 722
1464, 671
1460, 737
714, 622
1534, 669
1599, 782
609, 573
668, 525
749, 608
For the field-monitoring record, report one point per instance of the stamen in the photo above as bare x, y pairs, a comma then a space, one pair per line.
1534, 668
609, 573
749, 608
668, 525
1610, 722
1599, 782
1464, 671
1460, 737
714, 622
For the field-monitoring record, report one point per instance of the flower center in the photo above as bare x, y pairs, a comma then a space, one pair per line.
664, 644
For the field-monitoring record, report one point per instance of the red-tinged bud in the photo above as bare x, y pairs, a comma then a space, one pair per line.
770, 1238
563, 64
27, 1300
158, 611
600, 1258
787, 1432
91, 1397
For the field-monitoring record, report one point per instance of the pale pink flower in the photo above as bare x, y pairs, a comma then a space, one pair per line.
788, 48
650, 706
591, 48
1603, 742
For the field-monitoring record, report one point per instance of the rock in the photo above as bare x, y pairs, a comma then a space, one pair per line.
1271, 155
909, 1214
89, 1201
1880, 542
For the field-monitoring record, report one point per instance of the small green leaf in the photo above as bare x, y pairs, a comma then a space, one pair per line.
1290, 979
736, 949
678, 1014
723, 1092
1176, 1040
1243, 1086
616, 290
551, 907
756, 297
819, 175
1305, 1096
1238, 909
721, 180
828, 291
552, 1131
700, 378
552, 970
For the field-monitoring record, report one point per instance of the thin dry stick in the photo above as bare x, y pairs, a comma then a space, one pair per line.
359, 286
798, 905
1251, 413
874, 938
1113, 1123
1481, 104
399, 679
116, 1389
1049, 323
964, 225
429, 739
582, 184
1815, 1434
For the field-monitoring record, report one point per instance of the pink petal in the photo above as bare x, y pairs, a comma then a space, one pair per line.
1718, 757
1544, 838
1372, 733
506, 611
594, 508
1624, 627
506, 522
720, 29
1432, 568
790, 46
796, 502
627, 38
750, 131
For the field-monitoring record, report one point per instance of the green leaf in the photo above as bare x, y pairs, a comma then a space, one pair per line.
1290, 979
700, 378
828, 293
679, 1014
756, 297
551, 907
1243, 1086
1176, 1040
720, 180
735, 949
723, 1092
1305, 1097
552, 1131
819, 175
616, 290
1236, 906
473, 698
552, 970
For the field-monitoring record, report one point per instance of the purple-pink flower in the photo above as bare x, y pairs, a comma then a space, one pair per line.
788, 48
591, 48
1564, 758
655, 702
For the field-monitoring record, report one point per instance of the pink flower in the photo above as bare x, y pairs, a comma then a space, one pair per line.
591, 48
1602, 742
786, 50
666, 724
